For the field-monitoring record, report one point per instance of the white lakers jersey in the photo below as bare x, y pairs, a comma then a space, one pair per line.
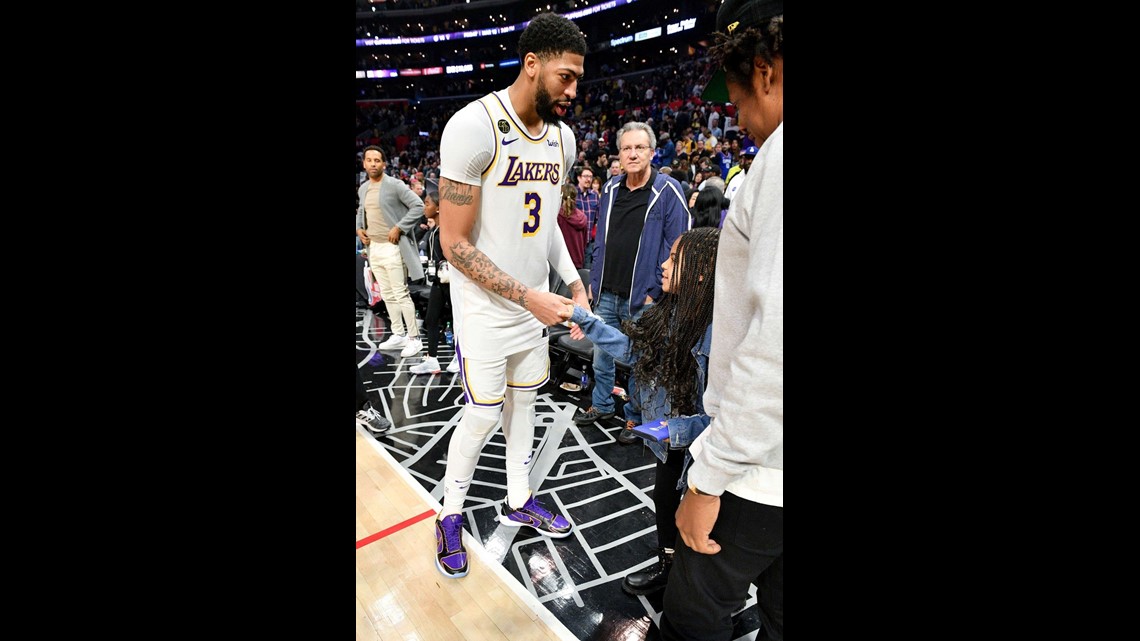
520, 175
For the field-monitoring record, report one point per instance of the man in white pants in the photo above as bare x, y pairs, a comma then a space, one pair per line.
388, 212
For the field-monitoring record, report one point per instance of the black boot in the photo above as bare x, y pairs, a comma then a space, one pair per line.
651, 579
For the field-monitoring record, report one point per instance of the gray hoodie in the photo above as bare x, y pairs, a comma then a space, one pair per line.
742, 451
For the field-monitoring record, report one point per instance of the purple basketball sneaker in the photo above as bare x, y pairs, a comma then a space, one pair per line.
450, 555
533, 514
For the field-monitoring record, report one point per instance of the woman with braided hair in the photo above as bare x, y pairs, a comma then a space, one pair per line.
668, 347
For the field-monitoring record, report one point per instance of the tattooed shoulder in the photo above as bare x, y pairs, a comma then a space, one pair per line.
457, 193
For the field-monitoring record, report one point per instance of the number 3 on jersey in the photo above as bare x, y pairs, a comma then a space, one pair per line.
534, 203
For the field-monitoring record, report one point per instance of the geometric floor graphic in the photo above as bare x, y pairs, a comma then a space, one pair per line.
603, 487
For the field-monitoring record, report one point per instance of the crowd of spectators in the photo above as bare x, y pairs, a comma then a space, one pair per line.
694, 144
662, 89
450, 53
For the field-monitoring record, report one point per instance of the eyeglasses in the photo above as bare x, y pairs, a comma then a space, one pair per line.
638, 148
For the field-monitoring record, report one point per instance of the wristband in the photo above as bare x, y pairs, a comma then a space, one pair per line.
694, 490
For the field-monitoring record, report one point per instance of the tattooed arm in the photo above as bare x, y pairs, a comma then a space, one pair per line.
458, 208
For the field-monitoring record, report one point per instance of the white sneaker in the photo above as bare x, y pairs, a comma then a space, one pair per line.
429, 366
453, 366
395, 341
412, 347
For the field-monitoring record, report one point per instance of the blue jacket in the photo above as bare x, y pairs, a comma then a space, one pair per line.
650, 404
666, 218
665, 154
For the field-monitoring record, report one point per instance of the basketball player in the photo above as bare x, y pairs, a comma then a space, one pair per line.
504, 158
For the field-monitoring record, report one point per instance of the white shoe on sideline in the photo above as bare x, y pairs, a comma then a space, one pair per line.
395, 341
453, 366
412, 347
430, 365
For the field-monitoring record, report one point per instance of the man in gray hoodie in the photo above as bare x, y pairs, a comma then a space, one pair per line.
732, 517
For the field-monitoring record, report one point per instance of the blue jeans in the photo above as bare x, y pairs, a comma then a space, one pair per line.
613, 309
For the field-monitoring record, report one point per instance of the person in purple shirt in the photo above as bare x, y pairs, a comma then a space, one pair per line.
589, 201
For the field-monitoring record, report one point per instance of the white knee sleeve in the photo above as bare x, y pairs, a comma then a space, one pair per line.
518, 428
463, 453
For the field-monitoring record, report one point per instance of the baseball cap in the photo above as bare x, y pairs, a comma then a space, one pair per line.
734, 15
750, 151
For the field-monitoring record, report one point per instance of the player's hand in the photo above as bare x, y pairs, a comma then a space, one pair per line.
547, 307
394, 235
363, 237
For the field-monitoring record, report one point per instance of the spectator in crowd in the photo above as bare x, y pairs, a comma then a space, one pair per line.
615, 167
737, 174
387, 213
574, 225
440, 297
712, 180
722, 160
666, 151
588, 200
708, 208
642, 213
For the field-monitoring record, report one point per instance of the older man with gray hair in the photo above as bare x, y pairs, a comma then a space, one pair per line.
642, 212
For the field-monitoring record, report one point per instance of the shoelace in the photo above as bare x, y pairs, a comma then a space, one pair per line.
539, 509
451, 537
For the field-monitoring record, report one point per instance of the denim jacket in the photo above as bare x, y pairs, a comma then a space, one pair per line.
648, 404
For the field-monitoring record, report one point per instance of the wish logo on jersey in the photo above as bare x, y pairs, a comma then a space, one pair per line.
530, 172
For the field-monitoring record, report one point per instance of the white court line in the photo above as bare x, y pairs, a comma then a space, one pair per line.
595, 497
364, 331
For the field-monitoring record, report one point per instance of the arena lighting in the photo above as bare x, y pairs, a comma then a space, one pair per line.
480, 33
647, 34
676, 27
683, 25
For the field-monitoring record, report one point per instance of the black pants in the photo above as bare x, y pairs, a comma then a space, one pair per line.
666, 498
438, 300
704, 589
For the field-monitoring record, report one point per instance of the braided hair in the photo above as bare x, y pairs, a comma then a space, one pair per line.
665, 335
